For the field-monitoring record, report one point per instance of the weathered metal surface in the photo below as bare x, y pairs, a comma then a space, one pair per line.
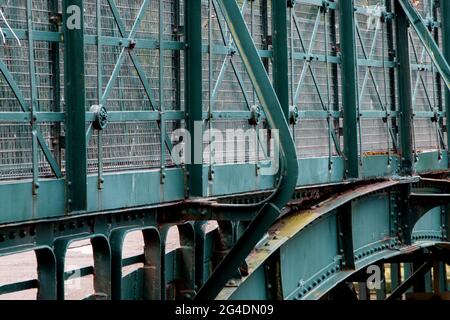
362, 87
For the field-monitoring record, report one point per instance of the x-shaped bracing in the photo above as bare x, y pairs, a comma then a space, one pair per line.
26, 108
307, 67
369, 72
135, 60
421, 81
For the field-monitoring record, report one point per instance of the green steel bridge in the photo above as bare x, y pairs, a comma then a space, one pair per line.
353, 94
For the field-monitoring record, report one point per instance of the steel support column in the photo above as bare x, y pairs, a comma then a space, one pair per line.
427, 40
404, 90
345, 236
349, 86
397, 293
76, 153
280, 62
193, 94
270, 208
445, 25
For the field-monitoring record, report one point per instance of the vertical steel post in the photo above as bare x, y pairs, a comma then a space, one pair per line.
162, 125
396, 276
280, 62
76, 153
100, 179
392, 77
34, 107
55, 58
193, 92
445, 25
345, 236
349, 86
289, 165
404, 90
405, 108
427, 40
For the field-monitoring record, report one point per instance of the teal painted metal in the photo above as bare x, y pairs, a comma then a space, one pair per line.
76, 151
445, 20
404, 91
307, 275
123, 197
349, 83
280, 62
275, 117
427, 40
193, 32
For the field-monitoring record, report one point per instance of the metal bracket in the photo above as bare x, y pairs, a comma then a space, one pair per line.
294, 115
255, 115
101, 117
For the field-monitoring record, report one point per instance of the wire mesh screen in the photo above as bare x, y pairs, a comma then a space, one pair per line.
227, 86
312, 77
133, 144
134, 64
426, 86
16, 160
372, 45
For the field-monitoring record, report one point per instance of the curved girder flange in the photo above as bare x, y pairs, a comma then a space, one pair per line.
296, 223
270, 210
292, 224
425, 195
374, 259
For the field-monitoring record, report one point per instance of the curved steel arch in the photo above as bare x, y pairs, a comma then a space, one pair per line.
336, 239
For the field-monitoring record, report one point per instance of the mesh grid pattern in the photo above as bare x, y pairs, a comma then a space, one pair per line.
132, 145
137, 144
316, 87
16, 139
224, 90
426, 93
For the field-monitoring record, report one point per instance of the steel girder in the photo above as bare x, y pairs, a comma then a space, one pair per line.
271, 208
348, 247
316, 249
111, 190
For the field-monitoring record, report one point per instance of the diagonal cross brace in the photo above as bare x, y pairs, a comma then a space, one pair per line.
427, 40
228, 43
271, 207
130, 35
135, 60
25, 107
420, 80
370, 73
307, 67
